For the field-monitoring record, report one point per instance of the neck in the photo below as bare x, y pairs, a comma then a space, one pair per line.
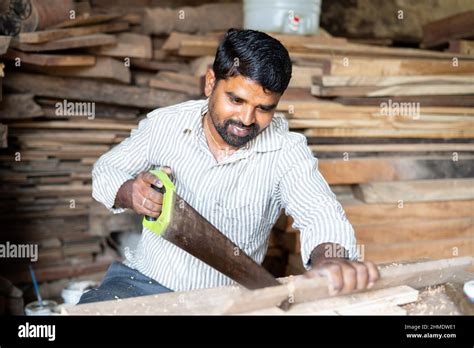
215, 137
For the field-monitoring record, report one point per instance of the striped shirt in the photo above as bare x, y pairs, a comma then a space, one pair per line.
242, 195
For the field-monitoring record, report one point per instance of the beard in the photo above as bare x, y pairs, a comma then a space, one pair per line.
230, 138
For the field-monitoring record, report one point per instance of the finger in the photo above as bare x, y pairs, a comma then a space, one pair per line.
362, 277
148, 212
150, 179
145, 206
167, 170
349, 275
374, 274
152, 195
333, 272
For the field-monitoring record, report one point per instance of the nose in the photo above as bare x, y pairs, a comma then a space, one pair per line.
248, 116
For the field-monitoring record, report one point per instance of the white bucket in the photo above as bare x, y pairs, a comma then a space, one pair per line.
73, 292
283, 16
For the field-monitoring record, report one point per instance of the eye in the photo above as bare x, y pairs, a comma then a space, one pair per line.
235, 100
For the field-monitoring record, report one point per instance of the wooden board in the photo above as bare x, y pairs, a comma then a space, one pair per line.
4, 43
104, 68
462, 46
87, 19
370, 169
56, 34
80, 89
389, 133
410, 231
3, 136
449, 147
50, 59
336, 81
415, 191
458, 26
359, 213
127, 45
401, 90
17, 106
177, 82
67, 43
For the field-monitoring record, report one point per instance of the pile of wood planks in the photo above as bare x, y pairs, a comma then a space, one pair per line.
392, 128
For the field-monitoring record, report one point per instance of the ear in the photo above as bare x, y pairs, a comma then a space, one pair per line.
210, 81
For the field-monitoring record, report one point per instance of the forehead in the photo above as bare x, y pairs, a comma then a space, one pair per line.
247, 90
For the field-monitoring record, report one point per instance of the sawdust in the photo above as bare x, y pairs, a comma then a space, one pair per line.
432, 301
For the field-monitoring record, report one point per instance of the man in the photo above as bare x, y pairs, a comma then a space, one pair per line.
234, 160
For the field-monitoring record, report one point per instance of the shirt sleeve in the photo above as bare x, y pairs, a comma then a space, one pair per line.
306, 196
123, 162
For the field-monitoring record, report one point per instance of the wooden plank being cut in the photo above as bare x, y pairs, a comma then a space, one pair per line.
17, 106
50, 59
68, 43
357, 304
4, 43
415, 191
127, 45
93, 91
234, 300
458, 26
370, 169
104, 68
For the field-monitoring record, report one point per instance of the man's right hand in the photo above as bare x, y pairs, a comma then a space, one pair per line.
137, 194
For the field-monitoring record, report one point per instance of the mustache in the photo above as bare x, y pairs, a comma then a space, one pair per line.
253, 126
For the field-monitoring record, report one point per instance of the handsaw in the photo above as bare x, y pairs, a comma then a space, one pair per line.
182, 225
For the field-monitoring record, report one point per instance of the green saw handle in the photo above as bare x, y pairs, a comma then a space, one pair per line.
159, 225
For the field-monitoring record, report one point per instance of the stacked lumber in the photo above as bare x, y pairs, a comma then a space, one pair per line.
84, 63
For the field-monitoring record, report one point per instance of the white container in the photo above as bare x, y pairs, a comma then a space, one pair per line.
47, 307
283, 16
73, 292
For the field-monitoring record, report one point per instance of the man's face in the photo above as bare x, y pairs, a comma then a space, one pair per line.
239, 108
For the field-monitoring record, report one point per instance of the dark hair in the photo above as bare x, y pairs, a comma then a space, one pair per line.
255, 55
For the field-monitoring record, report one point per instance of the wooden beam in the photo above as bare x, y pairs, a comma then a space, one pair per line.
359, 213
462, 46
370, 169
56, 34
3, 136
4, 43
399, 90
439, 32
179, 82
449, 147
93, 91
19, 106
50, 59
104, 68
415, 191
128, 45
86, 19
68, 43
341, 81
389, 133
